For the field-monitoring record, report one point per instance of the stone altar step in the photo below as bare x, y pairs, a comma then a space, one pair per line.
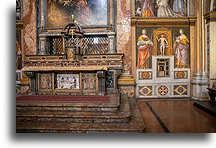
123, 115
136, 124
111, 106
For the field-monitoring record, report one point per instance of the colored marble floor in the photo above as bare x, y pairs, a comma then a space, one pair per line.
175, 116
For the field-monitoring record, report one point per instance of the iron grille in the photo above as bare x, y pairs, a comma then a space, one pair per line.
94, 45
89, 45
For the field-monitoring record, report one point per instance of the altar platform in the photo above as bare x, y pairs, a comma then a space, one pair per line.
78, 114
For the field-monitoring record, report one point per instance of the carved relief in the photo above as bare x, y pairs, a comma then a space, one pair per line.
68, 81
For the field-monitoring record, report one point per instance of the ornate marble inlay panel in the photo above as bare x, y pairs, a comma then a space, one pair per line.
180, 74
89, 81
145, 90
180, 90
45, 81
145, 75
163, 80
163, 90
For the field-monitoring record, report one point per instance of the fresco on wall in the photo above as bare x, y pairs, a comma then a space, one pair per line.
160, 8
181, 48
18, 50
86, 12
156, 41
144, 45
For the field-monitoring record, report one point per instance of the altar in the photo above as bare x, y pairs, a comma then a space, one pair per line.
71, 61
92, 74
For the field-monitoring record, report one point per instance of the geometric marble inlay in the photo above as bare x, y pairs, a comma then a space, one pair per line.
146, 90
180, 90
163, 90
180, 74
145, 75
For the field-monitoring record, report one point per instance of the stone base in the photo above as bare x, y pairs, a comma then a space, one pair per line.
200, 84
126, 84
126, 119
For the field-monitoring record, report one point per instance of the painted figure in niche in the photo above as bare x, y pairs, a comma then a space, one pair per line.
179, 7
164, 9
18, 56
181, 48
144, 50
163, 44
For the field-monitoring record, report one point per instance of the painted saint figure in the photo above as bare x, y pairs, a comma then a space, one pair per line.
181, 47
18, 56
147, 8
163, 44
164, 9
178, 7
144, 50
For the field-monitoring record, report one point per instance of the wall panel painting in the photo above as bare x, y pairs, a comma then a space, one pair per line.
160, 8
156, 41
86, 12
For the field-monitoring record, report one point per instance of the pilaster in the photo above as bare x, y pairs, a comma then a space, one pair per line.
200, 80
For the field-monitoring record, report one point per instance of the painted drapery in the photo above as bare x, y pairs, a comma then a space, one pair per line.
148, 8
144, 51
164, 9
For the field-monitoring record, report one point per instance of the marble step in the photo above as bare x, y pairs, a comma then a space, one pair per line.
123, 115
136, 124
111, 106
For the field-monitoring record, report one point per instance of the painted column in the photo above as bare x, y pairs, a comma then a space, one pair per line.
200, 80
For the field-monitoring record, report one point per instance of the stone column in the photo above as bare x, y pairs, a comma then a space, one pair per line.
111, 39
200, 80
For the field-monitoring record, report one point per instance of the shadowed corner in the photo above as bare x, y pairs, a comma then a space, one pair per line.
12, 70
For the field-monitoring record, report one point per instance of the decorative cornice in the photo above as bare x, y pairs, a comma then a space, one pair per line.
210, 17
174, 21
